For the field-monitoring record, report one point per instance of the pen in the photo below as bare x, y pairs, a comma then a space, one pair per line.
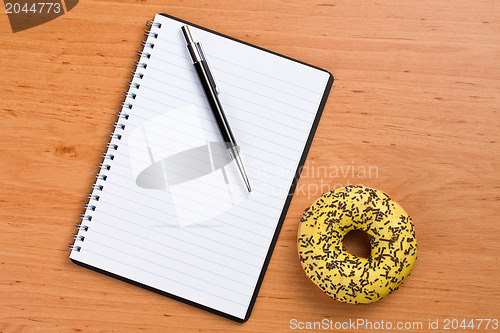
211, 91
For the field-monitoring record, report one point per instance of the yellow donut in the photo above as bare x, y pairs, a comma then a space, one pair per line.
343, 276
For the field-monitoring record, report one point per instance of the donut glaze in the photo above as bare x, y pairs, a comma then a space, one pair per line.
343, 276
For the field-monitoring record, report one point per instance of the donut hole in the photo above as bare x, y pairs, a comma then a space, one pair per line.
357, 243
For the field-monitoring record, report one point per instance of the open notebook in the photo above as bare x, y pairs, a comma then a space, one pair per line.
169, 210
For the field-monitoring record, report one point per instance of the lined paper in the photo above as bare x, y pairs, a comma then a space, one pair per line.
173, 212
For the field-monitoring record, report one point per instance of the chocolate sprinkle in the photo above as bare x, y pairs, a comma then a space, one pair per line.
342, 275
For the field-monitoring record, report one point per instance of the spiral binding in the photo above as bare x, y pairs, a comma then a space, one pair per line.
138, 75
148, 44
148, 33
150, 24
126, 105
143, 54
80, 226
113, 146
122, 115
130, 95
134, 84
140, 64
74, 247
78, 237
115, 136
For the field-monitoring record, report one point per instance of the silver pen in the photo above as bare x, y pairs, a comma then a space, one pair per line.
211, 91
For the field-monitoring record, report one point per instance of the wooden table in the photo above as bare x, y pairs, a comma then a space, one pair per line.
416, 101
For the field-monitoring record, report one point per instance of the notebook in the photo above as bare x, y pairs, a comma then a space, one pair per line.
169, 210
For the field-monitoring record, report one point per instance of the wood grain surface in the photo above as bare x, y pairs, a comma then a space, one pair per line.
414, 112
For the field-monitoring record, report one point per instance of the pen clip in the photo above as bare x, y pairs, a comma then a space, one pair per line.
207, 68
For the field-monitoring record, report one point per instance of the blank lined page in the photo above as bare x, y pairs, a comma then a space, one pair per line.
173, 212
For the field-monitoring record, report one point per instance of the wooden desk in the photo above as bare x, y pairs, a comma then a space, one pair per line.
416, 98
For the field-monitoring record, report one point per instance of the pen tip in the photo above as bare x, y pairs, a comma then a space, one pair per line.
234, 152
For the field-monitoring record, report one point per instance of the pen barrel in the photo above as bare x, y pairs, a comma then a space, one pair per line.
194, 53
215, 105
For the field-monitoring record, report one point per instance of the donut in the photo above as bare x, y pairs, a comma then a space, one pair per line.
346, 277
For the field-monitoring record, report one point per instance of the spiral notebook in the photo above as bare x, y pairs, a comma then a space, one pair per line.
169, 211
